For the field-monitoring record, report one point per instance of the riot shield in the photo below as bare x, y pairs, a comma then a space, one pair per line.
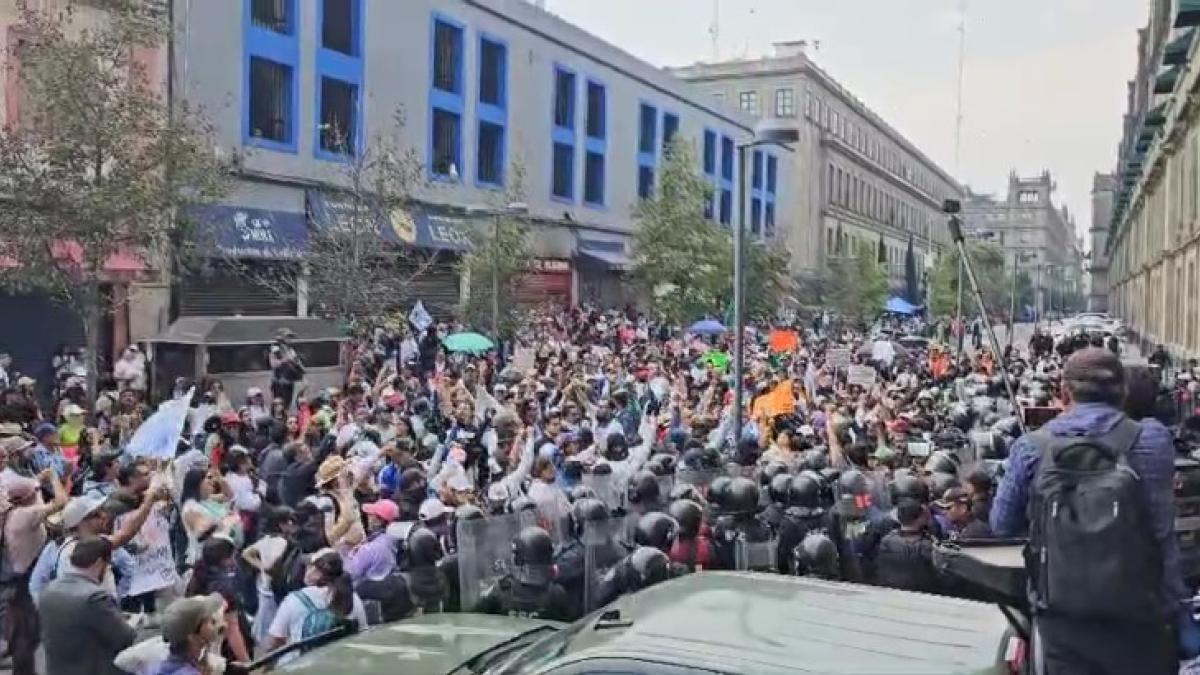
701, 478
755, 556
665, 485
603, 549
880, 489
606, 489
484, 554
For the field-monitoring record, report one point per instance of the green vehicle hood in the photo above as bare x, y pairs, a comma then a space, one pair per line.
433, 644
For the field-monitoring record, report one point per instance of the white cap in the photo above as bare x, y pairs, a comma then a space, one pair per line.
432, 509
73, 410
78, 509
254, 391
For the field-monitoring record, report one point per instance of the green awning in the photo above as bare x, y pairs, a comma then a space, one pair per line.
1176, 51
1165, 82
1187, 13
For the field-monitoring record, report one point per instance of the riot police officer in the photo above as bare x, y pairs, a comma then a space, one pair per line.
904, 559
851, 519
804, 514
693, 547
572, 557
529, 589
641, 569
643, 495
741, 529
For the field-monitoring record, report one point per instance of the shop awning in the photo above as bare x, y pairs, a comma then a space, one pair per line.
415, 226
122, 264
610, 254
1176, 51
243, 232
1187, 13
1166, 80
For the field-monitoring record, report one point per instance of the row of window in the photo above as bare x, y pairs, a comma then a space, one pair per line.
856, 135
784, 100
272, 61
852, 191
764, 184
853, 245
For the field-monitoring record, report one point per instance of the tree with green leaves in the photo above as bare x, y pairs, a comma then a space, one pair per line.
681, 257
990, 270
859, 288
99, 163
499, 257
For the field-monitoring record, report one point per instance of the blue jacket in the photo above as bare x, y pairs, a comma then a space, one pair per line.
1152, 457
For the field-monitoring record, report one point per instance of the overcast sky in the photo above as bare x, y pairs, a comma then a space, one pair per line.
1044, 79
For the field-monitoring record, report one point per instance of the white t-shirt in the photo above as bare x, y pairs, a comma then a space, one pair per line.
245, 498
289, 620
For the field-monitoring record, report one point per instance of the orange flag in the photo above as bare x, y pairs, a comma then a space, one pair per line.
782, 341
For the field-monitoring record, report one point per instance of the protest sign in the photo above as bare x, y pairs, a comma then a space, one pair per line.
154, 561
838, 358
863, 376
523, 358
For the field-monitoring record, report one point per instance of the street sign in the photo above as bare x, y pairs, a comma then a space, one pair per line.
862, 376
838, 358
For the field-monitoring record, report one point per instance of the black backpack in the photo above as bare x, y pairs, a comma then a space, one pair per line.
1092, 552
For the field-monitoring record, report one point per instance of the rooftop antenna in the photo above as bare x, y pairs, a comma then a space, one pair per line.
962, 56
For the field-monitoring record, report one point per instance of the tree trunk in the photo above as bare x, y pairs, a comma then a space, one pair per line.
90, 314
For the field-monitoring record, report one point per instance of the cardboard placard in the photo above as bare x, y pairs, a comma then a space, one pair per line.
862, 376
838, 358
523, 358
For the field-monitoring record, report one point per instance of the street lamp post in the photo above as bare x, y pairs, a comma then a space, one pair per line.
511, 210
766, 132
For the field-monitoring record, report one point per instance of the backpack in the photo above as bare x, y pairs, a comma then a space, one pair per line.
317, 620
1091, 551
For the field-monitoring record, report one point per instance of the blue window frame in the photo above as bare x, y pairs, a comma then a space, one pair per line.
770, 196
270, 79
339, 84
647, 158
563, 135
710, 172
670, 129
757, 194
446, 47
491, 149
725, 184
595, 163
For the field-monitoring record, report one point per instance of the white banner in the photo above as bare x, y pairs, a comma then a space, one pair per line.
838, 358
158, 437
154, 562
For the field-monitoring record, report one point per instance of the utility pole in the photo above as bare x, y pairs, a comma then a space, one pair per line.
1012, 301
962, 58
496, 278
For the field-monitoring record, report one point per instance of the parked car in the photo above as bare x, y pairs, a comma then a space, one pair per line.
728, 623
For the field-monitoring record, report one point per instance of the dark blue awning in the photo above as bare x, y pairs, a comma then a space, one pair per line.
243, 232
408, 226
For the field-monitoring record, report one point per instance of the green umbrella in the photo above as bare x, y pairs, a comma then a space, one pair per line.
470, 343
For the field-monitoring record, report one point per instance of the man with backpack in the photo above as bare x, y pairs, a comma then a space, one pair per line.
1094, 492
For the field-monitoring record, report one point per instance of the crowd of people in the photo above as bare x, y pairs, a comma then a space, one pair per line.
596, 457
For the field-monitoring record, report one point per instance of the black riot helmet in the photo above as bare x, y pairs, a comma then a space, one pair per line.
814, 460
580, 492
657, 530
817, 556
522, 504
942, 462
853, 482
940, 482
468, 512
616, 448
643, 488
804, 491
686, 491
770, 471
647, 566
655, 467
689, 515
908, 486
423, 548
587, 510
743, 497
777, 489
572, 469
601, 469
718, 492
667, 461
533, 546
